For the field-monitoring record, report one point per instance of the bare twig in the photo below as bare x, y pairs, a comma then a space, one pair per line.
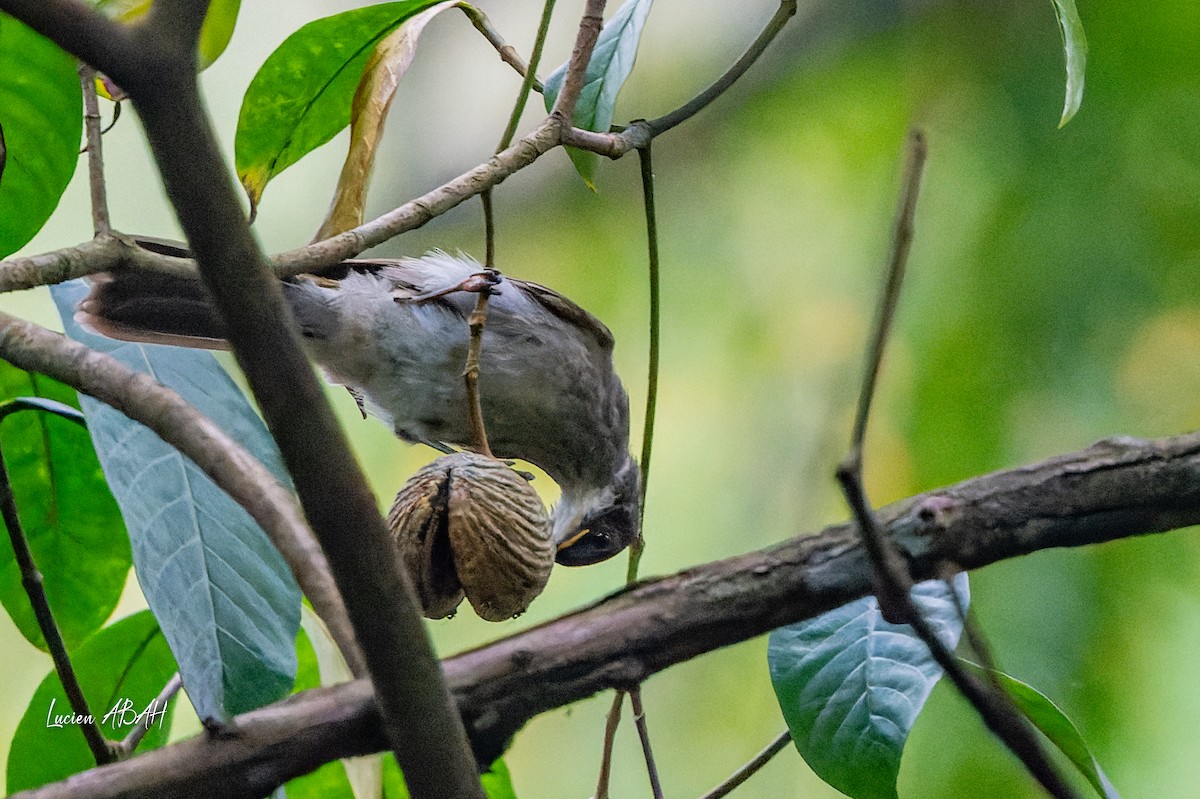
31, 580
508, 53
146, 720
639, 720
890, 573
475, 323
92, 132
613, 720
585, 42
750, 768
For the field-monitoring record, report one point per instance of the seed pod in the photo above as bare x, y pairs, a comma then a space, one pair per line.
469, 524
419, 521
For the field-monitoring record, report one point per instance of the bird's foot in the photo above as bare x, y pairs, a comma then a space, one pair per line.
484, 282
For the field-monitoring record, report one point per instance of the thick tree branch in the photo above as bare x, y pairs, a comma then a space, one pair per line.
1115, 489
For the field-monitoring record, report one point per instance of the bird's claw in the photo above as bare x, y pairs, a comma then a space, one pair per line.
484, 282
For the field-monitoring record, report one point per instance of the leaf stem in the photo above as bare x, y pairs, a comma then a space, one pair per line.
31, 580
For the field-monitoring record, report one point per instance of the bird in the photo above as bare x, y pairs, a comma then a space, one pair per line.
394, 332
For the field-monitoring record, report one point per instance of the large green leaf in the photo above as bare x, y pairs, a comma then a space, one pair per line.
851, 685
1075, 50
301, 96
121, 669
611, 63
1056, 726
70, 520
41, 113
226, 601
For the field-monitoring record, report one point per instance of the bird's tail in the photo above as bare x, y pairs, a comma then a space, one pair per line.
135, 305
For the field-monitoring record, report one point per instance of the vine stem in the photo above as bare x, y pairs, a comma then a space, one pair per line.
32, 582
891, 578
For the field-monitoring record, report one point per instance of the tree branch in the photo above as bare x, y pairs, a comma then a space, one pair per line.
1117, 488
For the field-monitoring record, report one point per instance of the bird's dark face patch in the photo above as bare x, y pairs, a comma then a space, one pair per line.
605, 531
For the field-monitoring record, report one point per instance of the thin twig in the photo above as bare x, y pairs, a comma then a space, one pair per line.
590, 25
639, 720
610, 735
31, 580
890, 573
508, 53
751, 768
146, 719
93, 133
475, 323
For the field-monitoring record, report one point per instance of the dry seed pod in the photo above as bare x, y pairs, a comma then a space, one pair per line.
500, 536
419, 522
468, 523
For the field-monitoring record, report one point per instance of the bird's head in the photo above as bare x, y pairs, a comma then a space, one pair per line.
592, 523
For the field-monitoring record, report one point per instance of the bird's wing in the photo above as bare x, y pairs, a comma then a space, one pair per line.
566, 310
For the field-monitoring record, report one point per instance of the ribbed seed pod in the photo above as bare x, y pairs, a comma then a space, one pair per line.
419, 521
467, 523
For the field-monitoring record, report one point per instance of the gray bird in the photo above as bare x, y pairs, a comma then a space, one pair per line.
549, 392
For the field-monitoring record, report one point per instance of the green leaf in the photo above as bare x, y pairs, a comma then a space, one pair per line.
71, 522
121, 669
301, 96
611, 63
226, 600
1075, 50
41, 110
1056, 726
851, 685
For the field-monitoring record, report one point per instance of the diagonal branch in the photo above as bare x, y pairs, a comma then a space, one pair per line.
1117, 488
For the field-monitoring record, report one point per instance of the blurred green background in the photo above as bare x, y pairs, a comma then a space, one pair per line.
1052, 301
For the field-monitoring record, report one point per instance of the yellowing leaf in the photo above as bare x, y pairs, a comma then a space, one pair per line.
387, 64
